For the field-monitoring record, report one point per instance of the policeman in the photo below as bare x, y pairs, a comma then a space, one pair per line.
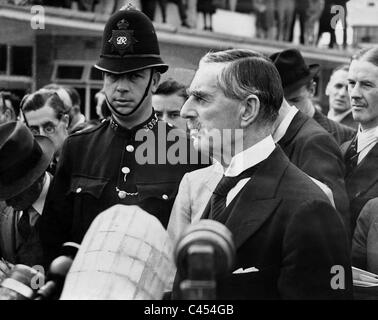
127, 158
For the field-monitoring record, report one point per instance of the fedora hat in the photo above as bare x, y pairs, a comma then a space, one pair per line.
293, 70
23, 158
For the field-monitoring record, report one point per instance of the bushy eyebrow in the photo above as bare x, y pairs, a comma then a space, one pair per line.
43, 124
199, 94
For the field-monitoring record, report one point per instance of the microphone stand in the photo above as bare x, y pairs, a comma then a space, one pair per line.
200, 283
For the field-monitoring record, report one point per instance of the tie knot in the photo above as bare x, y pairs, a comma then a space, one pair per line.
227, 183
351, 156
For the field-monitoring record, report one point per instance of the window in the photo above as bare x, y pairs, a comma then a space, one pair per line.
3, 58
81, 75
70, 72
21, 61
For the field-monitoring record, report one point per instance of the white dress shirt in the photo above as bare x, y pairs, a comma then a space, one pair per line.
366, 140
247, 159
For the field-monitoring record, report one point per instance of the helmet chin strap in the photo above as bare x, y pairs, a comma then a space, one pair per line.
122, 116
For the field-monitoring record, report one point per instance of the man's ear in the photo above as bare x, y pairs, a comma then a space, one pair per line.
8, 114
312, 89
65, 119
155, 81
250, 110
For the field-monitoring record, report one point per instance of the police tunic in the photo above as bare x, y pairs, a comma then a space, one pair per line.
106, 165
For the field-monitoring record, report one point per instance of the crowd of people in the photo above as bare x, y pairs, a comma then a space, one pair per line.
297, 188
274, 19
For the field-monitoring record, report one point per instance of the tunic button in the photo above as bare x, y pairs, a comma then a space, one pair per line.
122, 194
165, 197
125, 170
78, 190
129, 148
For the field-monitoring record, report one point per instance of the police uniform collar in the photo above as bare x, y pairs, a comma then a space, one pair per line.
147, 125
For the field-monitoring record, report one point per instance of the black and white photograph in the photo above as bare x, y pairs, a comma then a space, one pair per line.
207, 151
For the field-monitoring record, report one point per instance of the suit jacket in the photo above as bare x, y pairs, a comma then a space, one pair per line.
194, 193
362, 182
365, 238
340, 132
284, 226
12, 248
312, 150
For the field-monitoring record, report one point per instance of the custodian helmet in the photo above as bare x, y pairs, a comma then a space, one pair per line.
130, 43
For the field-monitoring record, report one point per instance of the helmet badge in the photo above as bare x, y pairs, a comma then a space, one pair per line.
123, 39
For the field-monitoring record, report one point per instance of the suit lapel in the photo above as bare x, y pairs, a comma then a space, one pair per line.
323, 121
256, 201
366, 169
295, 125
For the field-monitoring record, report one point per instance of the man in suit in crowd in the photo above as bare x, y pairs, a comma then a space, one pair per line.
308, 145
339, 103
361, 153
303, 140
24, 183
283, 224
299, 89
168, 100
46, 114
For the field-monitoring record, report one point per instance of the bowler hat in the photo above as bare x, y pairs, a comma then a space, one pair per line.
130, 43
23, 158
293, 70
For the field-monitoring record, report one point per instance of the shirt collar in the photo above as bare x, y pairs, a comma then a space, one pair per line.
285, 123
366, 138
250, 157
40, 202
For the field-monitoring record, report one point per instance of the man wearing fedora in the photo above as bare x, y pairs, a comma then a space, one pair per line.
102, 166
299, 89
308, 145
24, 183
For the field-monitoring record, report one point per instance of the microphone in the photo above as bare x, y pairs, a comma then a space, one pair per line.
58, 270
19, 283
125, 254
203, 253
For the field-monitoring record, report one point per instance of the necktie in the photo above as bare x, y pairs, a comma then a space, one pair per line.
351, 157
219, 196
23, 225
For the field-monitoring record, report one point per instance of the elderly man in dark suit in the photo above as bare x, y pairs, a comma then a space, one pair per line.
299, 89
23, 188
361, 153
288, 237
